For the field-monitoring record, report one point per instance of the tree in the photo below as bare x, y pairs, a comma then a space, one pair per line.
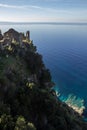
6, 122
30, 126
20, 123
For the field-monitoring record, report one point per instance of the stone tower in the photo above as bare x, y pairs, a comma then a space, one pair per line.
20, 39
1, 37
0, 31
28, 35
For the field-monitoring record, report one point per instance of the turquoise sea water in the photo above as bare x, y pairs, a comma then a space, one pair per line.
64, 50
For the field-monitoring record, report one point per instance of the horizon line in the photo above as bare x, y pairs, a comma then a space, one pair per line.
11, 22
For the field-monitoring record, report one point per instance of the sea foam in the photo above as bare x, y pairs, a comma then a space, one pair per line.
74, 102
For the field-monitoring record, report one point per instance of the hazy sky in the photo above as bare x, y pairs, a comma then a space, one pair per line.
43, 10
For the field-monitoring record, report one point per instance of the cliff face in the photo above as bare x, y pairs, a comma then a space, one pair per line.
27, 101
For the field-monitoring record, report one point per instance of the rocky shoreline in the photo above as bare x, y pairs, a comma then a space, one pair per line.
77, 109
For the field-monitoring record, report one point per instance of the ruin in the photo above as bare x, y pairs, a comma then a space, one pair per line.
28, 35
1, 37
14, 37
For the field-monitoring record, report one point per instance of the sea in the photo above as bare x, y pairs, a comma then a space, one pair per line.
64, 50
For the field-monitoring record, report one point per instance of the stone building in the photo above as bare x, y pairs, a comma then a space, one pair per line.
14, 37
10, 34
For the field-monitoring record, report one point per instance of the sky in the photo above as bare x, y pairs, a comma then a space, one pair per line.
43, 11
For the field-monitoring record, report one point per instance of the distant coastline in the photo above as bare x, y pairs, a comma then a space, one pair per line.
52, 23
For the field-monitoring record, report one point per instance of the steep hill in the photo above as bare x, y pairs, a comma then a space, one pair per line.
27, 101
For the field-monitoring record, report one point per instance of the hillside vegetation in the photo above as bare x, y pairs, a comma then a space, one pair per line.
27, 100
